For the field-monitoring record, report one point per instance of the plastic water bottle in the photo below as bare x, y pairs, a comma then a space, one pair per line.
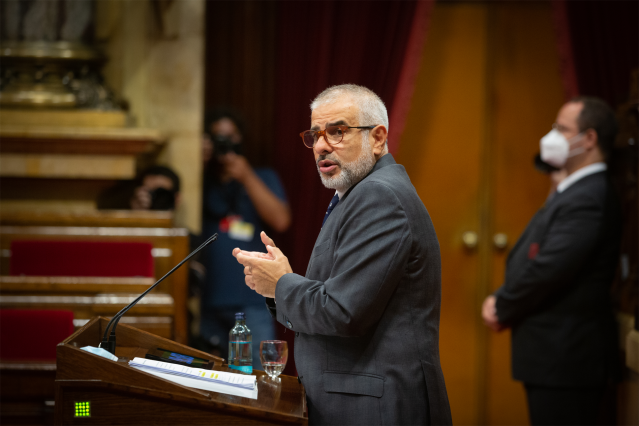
241, 345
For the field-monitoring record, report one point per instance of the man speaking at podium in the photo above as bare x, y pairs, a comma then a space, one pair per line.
366, 315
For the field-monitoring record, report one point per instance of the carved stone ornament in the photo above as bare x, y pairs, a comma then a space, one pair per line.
46, 59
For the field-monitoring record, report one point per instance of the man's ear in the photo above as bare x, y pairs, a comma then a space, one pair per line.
379, 135
591, 139
178, 199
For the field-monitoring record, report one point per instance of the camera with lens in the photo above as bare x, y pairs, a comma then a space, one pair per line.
223, 145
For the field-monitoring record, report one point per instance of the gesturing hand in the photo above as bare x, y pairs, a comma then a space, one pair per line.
263, 270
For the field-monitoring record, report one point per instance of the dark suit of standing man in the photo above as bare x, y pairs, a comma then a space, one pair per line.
366, 315
558, 276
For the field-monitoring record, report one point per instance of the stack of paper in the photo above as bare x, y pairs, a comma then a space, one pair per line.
220, 377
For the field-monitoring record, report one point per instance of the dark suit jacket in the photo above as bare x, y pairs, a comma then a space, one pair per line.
557, 289
366, 316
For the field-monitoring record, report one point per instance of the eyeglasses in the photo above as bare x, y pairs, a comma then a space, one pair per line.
332, 134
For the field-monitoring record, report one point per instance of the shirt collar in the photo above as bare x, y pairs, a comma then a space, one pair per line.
580, 174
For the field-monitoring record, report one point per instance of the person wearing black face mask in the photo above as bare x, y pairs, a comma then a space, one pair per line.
239, 203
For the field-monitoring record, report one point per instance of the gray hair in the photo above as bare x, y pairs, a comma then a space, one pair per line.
371, 108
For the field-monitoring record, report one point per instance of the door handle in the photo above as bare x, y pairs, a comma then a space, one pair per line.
470, 239
500, 241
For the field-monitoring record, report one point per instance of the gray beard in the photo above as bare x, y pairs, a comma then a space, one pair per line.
351, 173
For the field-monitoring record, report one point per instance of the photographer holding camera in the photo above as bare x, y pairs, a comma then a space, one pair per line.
155, 188
159, 189
239, 203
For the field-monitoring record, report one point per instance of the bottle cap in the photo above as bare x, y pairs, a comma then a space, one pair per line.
239, 316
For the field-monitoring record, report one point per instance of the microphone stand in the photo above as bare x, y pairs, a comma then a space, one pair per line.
108, 341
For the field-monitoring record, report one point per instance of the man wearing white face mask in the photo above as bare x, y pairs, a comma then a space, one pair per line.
557, 148
555, 294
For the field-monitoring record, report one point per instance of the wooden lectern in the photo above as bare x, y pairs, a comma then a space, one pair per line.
94, 390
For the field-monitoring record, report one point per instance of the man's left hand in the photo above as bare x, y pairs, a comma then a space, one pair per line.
489, 314
263, 270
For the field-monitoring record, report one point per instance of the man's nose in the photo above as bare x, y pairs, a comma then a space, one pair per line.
322, 145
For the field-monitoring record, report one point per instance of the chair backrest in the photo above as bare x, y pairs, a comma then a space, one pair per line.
32, 335
81, 258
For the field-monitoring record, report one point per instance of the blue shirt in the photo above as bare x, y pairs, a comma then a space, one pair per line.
225, 284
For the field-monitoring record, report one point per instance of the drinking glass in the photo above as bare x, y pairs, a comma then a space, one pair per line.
273, 355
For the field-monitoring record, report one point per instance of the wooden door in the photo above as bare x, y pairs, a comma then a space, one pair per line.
526, 95
441, 150
488, 89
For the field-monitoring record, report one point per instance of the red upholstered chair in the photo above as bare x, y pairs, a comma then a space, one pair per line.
30, 335
81, 258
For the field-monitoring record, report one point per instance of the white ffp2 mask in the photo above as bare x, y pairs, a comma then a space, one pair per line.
555, 148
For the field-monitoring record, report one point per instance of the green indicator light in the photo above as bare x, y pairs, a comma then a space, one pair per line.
83, 409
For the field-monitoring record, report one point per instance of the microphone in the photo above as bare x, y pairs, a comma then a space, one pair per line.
108, 342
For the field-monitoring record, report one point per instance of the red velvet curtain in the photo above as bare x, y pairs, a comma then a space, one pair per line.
324, 43
601, 39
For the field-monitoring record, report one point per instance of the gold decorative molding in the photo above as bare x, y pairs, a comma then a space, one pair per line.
25, 138
33, 147
138, 322
109, 304
60, 50
99, 299
77, 231
36, 284
67, 166
95, 133
65, 216
61, 118
53, 74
